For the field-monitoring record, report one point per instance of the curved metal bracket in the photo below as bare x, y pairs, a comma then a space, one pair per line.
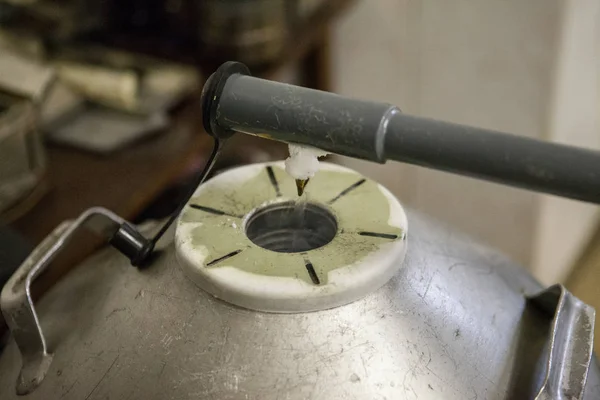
16, 301
571, 344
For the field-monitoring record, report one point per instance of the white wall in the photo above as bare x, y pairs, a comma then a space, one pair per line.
371, 60
565, 226
486, 63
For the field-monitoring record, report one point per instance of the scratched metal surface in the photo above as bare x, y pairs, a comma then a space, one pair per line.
451, 325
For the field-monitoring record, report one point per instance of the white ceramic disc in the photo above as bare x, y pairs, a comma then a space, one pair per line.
367, 249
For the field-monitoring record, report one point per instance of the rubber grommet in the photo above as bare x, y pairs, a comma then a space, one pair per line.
211, 96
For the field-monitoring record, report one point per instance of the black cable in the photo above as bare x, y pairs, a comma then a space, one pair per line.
143, 251
194, 185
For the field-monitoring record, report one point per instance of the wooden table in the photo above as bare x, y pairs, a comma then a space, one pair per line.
126, 182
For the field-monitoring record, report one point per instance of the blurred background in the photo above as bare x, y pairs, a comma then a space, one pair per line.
99, 106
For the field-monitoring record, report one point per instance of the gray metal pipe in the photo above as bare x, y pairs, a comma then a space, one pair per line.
233, 101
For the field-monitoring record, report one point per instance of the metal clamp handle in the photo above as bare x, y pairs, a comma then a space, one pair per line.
571, 344
16, 301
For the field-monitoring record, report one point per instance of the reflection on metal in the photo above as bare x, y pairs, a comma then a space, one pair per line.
570, 346
17, 304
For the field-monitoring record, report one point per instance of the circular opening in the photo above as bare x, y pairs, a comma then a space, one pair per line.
291, 227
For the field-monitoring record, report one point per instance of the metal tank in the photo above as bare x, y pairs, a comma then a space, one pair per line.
346, 296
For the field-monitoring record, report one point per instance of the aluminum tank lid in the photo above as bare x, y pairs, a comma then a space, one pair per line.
246, 238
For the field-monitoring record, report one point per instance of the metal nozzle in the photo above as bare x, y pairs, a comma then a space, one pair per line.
301, 185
